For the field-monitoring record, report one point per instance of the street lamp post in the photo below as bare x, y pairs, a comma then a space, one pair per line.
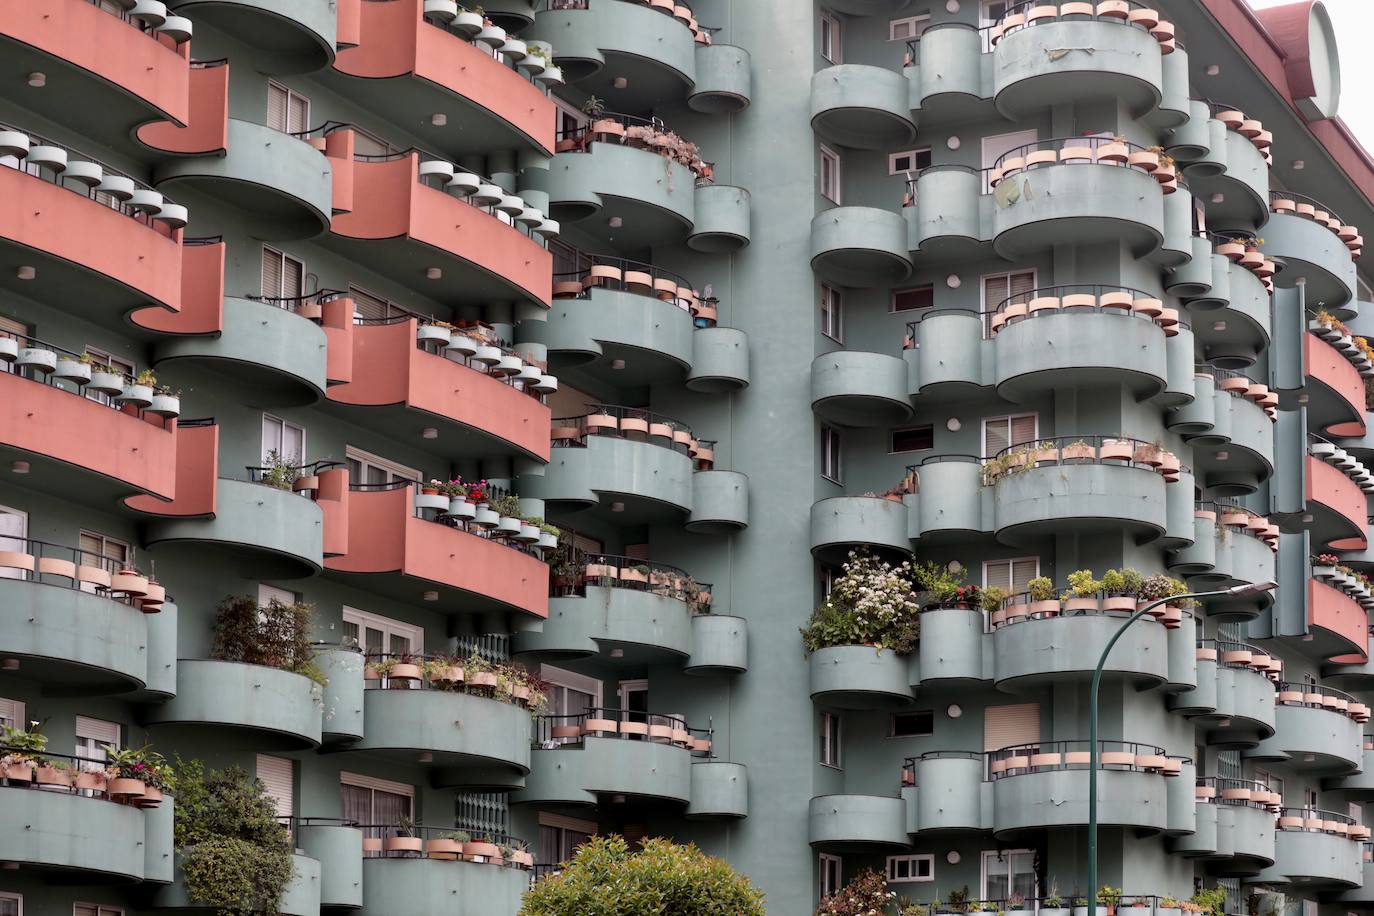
1239, 591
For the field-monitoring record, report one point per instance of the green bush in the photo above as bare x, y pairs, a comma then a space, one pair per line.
276, 635
872, 603
605, 878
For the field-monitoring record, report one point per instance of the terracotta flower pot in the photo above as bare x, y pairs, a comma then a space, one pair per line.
19, 772
486, 850
91, 781
483, 679
1118, 603
151, 798
1047, 608
1080, 604
448, 850
372, 844
52, 776
447, 674
370, 673
121, 787
404, 672
403, 844
521, 693
522, 859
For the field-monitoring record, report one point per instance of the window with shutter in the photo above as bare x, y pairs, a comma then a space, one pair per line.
1012, 576
266, 594
283, 277
94, 909
997, 288
298, 114
101, 552
277, 96
278, 776
92, 735
1003, 432
286, 439
287, 110
368, 306
271, 272
11, 713
1006, 726
11, 904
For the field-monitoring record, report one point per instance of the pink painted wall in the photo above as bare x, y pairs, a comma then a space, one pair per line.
202, 295
197, 469
396, 42
207, 125
332, 498
337, 323
150, 69
338, 146
1334, 610
1331, 488
389, 369
1326, 364
348, 26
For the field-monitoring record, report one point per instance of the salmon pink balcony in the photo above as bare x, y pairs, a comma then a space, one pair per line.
445, 227
415, 376
412, 67
119, 71
1338, 624
1334, 364
1336, 502
452, 568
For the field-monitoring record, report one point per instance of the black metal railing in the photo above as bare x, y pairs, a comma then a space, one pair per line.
638, 132
1305, 206
1122, 451
407, 841
1313, 696
450, 673
1101, 151
286, 475
621, 422
62, 773
471, 526
60, 565
1075, 754
1240, 793
626, 275
552, 731
1314, 820
611, 571
68, 362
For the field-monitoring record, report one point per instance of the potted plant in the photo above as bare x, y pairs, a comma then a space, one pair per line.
1107, 899
468, 22
55, 773
125, 773
1324, 566
1044, 600
548, 536
430, 489
507, 508
530, 530
1053, 904
280, 472
1168, 906
404, 671
22, 751
444, 846
105, 379
1138, 906
480, 848
1079, 450
1082, 592
92, 780
1016, 905
1152, 589
74, 368
165, 402
139, 390
443, 671
460, 505
39, 358
1119, 596
520, 855
481, 676
403, 838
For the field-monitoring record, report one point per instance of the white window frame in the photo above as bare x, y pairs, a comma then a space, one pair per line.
831, 737
396, 470
1011, 567
389, 626
836, 172
986, 162
824, 864
15, 709
291, 94
1008, 418
90, 726
831, 304
832, 456
17, 898
995, 853
100, 908
1003, 275
562, 677
892, 25
910, 860
269, 252
984, 17
579, 117
269, 417
913, 153
831, 37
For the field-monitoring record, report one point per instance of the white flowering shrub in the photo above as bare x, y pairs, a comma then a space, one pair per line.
873, 603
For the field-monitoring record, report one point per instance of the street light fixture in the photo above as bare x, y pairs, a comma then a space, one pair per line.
1251, 590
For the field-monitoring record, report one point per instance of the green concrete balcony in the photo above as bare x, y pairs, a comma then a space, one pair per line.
1031, 74
724, 83
296, 36
948, 218
266, 705
1039, 649
945, 67
300, 897
861, 247
579, 758
841, 523
859, 677
64, 837
338, 848
1311, 241
1359, 785
79, 622
943, 790
1044, 785
1313, 724
629, 461
1315, 848
944, 353
342, 695
719, 789
281, 185
1231, 546
1083, 484
951, 645
613, 170
402, 884
944, 496
1354, 672
720, 360
268, 349
1365, 892
861, 106
858, 823
1237, 454
720, 502
852, 388
720, 645
1234, 695
1235, 299
1077, 191
1234, 826
1235, 169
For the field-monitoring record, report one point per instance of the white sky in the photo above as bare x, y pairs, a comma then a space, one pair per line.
1354, 23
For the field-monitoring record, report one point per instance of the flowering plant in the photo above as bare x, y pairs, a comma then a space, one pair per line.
477, 492
1328, 559
865, 895
143, 764
872, 603
22, 745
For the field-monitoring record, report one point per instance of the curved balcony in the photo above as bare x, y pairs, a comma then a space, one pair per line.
293, 36
861, 106
1337, 624
403, 381
56, 832
396, 549
122, 73
951, 644
853, 388
400, 227
1315, 848
1314, 724
859, 677
1235, 175
626, 610
1360, 785
68, 438
1233, 824
1031, 72
943, 791
612, 752
1239, 329
619, 168
80, 622
402, 883
1082, 484
1336, 501
1336, 401
724, 82
272, 353
1237, 454
1364, 893
103, 259
841, 523
276, 533
267, 703
944, 350
1078, 190
858, 823
300, 896
281, 185
720, 361
338, 848
1315, 244
412, 66
720, 645
471, 739
1238, 548
1036, 649
1351, 672
1044, 785
1082, 336
860, 247
719, 789
720, 502
627, 461
1241, 693
944, 497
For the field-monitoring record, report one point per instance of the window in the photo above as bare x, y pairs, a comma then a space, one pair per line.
830, 874
376, 634
1011, 576
11, 904
1000, 287
568, 120
9, 327
905, 869
101, 552
369, 305
915, 439
830, 174
992, 11
94, 909
828, 576
997, 145
278, 775
909, 300
92, 737
1272, 780
14, 532
115, 363
375, 803
287, 110
1356, 812
1011, 726
830, 740
11, 713
830, 37
282, 275
1007, 872
831, 460
285, 438
1004, 432
832, 313
907, 29
909, 162
366, 144
559, 837
366, 468
482, 812
1310, 801
570, 694
916, 724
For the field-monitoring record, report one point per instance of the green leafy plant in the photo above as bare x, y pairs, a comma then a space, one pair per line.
913, 909
663, 877
593, 106
1108, 895
1113, 582
942, 582
992, 598
22, 745
1041, 588
872, 602
141, 763
276, 635
866, 892
146, 378
1211, 900
1082, 584
1155, 587
1132, 581
504, 504
280, 472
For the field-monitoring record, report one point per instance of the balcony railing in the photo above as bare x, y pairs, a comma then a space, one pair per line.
1315, 820
1240, 656
909, 764
85, 375
551, 732
590, 272
1032, 13
72, 775
127, 12
113, 577
496, 44
1240, 793
1114, 451
1340, 459
634, 574
633, 423
1317, 696
56, 163
452, 674
682, 13
1045, 756
1286, 202
648, 134
1089, 298
406, 841
481, 524
1110, 151
1234, 516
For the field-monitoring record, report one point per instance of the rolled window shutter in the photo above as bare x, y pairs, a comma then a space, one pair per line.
1021, 283
276, 106
297, 113
366, 305
1022, 571
1006, 726
997, 575
1023, 429
291, 278
277, 775
994, 291
12, 713
271, 273
995, 437
98, 730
